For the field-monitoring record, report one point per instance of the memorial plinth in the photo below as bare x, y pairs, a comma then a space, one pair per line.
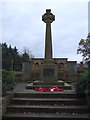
49, 71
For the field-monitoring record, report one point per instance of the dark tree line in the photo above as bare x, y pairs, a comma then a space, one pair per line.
12, 59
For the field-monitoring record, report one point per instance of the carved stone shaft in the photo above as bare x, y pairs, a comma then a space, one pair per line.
48, 18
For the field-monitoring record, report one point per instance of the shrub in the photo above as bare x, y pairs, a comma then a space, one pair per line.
18, 74
7, 81
83, 84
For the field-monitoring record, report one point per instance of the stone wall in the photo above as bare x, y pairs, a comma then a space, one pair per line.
72, 69
65, 70
6, 101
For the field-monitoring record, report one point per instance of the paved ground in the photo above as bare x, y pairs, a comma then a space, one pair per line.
21, 87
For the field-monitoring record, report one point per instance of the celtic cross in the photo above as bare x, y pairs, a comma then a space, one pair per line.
48, 18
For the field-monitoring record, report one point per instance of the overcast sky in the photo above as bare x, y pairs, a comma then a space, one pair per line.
22, 26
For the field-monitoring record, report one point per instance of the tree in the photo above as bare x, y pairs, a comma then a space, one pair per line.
15, 50
83, 48
11, 59
83, 83
27, 55
4, 50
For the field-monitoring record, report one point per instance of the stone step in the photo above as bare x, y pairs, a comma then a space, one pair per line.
45, 95
47, 101
48, 109
45, 116
48, 83
30, 86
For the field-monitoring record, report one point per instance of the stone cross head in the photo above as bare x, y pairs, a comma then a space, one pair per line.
48, 17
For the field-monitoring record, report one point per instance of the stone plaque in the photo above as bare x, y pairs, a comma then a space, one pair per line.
72, 69
48, 72
26, 68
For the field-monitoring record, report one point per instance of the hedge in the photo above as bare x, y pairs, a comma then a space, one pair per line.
7, 81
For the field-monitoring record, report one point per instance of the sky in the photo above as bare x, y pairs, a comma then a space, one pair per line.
22, 26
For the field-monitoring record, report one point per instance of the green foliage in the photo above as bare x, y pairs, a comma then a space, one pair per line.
18, 74
7, 81
83, 82
11, 59
25, 57
83, 48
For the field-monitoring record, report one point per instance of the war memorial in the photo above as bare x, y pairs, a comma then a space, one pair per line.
29, 104
49, 69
